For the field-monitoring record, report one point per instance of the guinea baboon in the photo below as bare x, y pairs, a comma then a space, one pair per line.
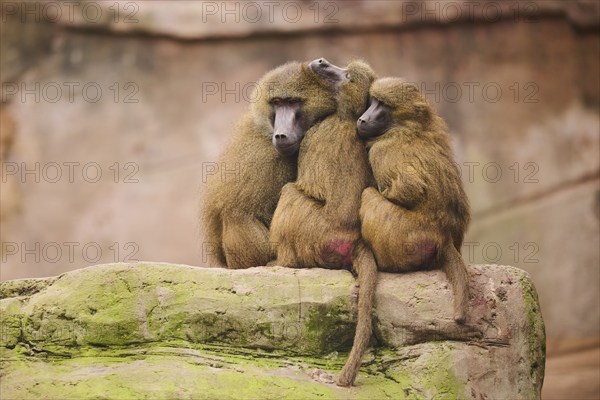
316, 223
243, 188
418, 217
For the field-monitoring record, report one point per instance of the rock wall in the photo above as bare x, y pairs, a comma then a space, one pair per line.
520, 93
110, 330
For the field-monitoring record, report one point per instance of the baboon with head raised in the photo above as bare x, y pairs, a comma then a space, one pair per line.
243, 189
418, 217
316, 223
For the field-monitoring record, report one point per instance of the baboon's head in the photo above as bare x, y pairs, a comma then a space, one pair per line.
289, 100
352, 84
393, 102
332, 74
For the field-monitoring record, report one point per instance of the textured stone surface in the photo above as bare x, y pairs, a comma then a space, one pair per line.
268, 332
226, 19
25, 39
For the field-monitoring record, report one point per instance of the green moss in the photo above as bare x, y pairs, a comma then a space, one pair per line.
428, 375
537, 334
163, 372
10, 322
443, 381
330, 328
23, 287
163, 378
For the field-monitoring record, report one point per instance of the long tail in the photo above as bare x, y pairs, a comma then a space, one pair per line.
364, 263
456, 270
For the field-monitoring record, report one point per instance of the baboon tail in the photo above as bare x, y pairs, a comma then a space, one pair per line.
366, 267
456, 270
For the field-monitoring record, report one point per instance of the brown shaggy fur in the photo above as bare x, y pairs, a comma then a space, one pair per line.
418, 217
241, 197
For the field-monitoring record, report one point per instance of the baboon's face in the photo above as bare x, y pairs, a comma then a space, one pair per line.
376, 120
289, 124
292, 116
333, 74
351, 84
296, 98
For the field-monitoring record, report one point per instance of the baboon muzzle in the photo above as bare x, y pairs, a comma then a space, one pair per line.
287, 132
328, 71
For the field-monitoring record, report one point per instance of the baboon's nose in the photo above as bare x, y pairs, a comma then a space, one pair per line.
280, 136
361, 121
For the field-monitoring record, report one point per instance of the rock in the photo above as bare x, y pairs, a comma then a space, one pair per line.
26, 38
151, 330
230, 19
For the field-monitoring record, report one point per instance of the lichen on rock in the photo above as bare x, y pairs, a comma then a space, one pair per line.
151, 330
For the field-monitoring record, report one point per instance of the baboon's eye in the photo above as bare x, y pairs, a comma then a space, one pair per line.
276, 101
384, 104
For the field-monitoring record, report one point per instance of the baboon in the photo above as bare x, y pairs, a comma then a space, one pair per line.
418, 216
316, 223
244, 186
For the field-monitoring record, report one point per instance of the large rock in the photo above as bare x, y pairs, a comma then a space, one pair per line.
232, 19
162, 331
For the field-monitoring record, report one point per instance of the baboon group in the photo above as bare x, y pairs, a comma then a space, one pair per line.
340, 169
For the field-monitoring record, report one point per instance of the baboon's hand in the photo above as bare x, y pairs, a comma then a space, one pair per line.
406, 190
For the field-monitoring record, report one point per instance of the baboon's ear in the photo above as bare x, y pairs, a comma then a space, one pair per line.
423, 112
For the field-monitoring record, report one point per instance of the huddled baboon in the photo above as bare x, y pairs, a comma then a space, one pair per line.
316, 223
418, 217
242, 192
316, 220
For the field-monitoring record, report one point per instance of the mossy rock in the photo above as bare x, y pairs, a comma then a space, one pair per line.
152, 330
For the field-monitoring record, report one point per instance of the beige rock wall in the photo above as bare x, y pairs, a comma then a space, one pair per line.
520, 95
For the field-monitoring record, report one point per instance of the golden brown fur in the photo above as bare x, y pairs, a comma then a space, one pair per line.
241, 196
322, 205
418, 217
316, 223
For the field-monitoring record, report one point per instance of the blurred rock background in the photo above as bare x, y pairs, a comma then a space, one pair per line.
112, 113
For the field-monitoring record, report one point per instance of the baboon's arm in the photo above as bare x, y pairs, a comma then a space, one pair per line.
407, 189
